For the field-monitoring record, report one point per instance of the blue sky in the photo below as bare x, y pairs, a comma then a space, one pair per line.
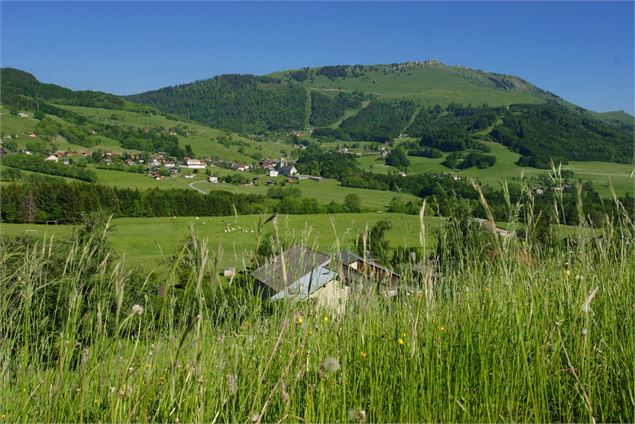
582, 51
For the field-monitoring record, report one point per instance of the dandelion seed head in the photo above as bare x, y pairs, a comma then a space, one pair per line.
357, 415
330, 364
137, 309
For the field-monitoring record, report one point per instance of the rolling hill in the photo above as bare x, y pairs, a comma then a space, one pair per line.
382, 102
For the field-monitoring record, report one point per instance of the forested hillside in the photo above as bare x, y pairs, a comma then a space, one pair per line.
19, 86
551, 131
244, 103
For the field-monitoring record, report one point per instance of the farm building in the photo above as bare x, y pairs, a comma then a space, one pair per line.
297, 274
52, 158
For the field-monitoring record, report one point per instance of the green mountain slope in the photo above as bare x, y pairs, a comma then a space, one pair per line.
430, 82
249, 103
244, 103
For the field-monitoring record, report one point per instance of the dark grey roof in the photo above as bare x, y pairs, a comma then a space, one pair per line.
298, 262
347, 257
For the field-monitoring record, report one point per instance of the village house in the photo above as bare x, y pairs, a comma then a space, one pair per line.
195, 164
241, 167
288, 171
492, 228
23, 115
212, 179
272, 173
52, 158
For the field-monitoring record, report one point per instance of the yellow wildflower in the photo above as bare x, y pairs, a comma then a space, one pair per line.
363, 354
401, 341
441, 329
487, 290
299, 320
326, 318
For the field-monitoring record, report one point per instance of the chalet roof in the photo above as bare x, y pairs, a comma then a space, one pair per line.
298, 262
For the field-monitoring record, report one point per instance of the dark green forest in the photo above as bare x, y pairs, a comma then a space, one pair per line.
550, 131
326, 109
243, 103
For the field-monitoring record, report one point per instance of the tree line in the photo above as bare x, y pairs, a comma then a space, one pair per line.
41, 199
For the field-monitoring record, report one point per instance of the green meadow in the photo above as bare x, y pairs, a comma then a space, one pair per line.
148, 241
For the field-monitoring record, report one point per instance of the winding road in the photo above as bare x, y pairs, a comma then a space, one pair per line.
193, 187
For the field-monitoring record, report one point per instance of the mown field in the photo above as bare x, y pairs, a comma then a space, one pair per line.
148, 241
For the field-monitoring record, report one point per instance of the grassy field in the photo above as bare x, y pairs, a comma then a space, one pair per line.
146, 241
514, 337
436, 84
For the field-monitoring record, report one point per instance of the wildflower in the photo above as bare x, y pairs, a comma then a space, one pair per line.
357, 415
567, 273
326, 318
441, 329
401, 341
487, 290
299, 320
585, 331
247, 324
363, 354
137, 309
330, 364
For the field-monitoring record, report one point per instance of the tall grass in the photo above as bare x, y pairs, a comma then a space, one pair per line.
510, 331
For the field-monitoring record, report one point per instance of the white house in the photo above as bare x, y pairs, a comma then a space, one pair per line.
213, 180
52, 158
273, 173
195, 164
22, 115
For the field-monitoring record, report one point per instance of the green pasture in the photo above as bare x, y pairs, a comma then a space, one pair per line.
324, 191
147, 241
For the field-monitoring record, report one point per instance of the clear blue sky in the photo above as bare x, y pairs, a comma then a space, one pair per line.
582, 51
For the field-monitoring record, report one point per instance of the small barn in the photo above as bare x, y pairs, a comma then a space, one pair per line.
296, 274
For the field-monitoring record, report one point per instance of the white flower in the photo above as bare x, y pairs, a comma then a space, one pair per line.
137, 309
